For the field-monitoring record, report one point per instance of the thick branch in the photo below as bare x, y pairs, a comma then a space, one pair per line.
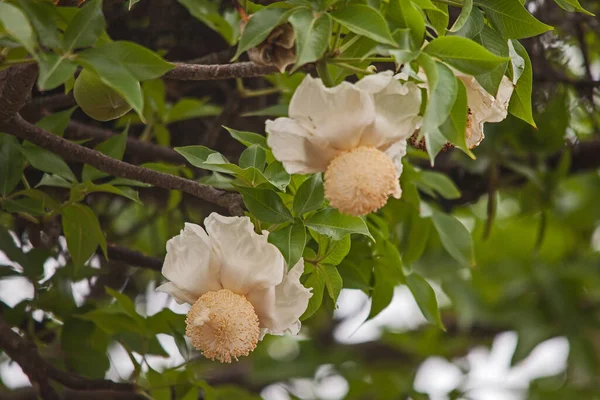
134, 258
15, 86
74, 152
30, 361
195, 72
146, 150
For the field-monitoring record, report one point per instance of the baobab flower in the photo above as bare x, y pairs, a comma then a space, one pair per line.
483, 107
237, 285
355, 133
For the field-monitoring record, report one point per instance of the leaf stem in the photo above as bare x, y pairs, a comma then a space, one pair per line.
450, 2
358, 59
351, 68
349, 43
324, 74
18, 62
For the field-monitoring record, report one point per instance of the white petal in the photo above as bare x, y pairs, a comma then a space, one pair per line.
248, 261
180, 295
338, 115
299, 150
396, 151
397, 114
375, 83
280, 308
190, 264
503, 96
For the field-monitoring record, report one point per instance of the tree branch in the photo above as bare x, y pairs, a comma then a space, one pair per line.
196, 72
74, 152
133, 257
146, 150
15, 86
30, 361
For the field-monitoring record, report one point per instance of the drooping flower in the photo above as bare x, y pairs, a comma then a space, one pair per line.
482, 107
278, 49
237, 285
355, 133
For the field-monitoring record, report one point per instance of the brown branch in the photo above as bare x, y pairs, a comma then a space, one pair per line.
15, 86
22, 352
133, 257
196, 72
74, 152
52, 101
145, 150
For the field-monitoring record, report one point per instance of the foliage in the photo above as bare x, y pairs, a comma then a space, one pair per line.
504, 231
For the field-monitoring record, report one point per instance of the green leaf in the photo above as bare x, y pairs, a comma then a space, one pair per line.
310, 195
253, 156
248, 138
115, 75
259, 27
454, 128
463, 17
11, 164
124, 191
333, 280
473, 25
208, 13
464, 55
332, 223
511, 19
332, 252
439, 18
290, 241
443, 90
491, 40
439, 183
573, 5
113, 147
425, 298
191, 108
520, 102
383, 289
17, 25
455, 238
83, 233
205, 158
46, 161
57, 122
316, 281
265, 204
126, 303
312, 35
366, 21
43, 17
54, 70
85, 28
54, 180
277, 175
404, 15
143, 63
419, 230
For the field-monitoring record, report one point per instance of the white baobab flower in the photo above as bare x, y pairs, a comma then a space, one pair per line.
483, 107
237, 285
355, 133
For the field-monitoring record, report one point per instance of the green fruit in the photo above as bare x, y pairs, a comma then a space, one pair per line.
97, 99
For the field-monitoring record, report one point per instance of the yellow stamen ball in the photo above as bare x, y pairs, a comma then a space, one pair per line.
223, 325
360, 181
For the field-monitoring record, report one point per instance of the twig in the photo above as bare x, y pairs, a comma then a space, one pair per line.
70, 151
134, 258
15, 86
146, 150
195, 72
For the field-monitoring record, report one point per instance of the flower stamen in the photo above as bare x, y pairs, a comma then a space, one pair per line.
360, 181
223, 325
